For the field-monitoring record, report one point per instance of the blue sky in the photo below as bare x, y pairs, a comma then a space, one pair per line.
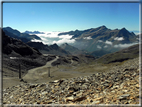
70, 16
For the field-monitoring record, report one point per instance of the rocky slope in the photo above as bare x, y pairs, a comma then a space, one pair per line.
14, 47
15, 52
118, 85
52, 49
25, 37
119, 56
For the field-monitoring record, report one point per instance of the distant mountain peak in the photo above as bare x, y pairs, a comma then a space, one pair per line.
103, 26
34, 32
123, 29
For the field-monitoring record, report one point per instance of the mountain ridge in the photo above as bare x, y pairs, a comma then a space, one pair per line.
16, 34
45, 49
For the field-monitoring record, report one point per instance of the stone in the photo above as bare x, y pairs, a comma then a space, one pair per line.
80, 98
95, 102
111, 87
69, 98
124, 96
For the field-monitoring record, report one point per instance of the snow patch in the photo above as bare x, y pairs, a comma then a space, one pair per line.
119, 38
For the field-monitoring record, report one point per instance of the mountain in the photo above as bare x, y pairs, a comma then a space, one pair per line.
45, 49
22, 36
15, 53
102, 38
73, 50
16, 48
34, 32
119, 56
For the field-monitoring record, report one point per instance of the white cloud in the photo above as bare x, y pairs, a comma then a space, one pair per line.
119, 38
99, 47
100, 41
64, 40
49, 34
66, 36
108, 42
36, 40
52, 37
124, 45
105, 46
88, 38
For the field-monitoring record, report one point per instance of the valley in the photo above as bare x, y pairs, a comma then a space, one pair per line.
71, 65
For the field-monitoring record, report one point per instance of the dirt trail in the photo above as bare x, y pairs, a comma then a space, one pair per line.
40, 74
32, 74
12, 81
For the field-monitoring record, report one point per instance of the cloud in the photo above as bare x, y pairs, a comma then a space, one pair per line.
99, 47
64, 40
119, 38
66, 36
53, 37
124, 45
105, 46
88, 38
100, 41
108, 42
49, 34
36, 40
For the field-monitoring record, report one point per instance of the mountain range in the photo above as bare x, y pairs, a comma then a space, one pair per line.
95, 41
30, 53
102, 38
34, 32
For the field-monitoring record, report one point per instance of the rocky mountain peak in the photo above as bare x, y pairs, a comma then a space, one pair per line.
124, 29
14, 31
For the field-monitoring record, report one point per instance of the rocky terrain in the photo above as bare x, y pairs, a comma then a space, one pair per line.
118, 85
75, 79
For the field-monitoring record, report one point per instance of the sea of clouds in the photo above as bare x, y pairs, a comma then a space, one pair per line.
53, 37
50, 38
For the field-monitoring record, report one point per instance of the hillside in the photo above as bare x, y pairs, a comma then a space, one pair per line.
120, 56
18, 35
15, 52
73, 50
14, 47
120, 85
45, 49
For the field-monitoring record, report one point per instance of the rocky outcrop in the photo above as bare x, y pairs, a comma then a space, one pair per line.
12, 45
120, 85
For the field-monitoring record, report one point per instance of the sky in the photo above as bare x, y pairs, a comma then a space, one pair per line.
61, 17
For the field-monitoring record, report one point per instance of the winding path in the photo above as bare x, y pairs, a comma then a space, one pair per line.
32, 73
